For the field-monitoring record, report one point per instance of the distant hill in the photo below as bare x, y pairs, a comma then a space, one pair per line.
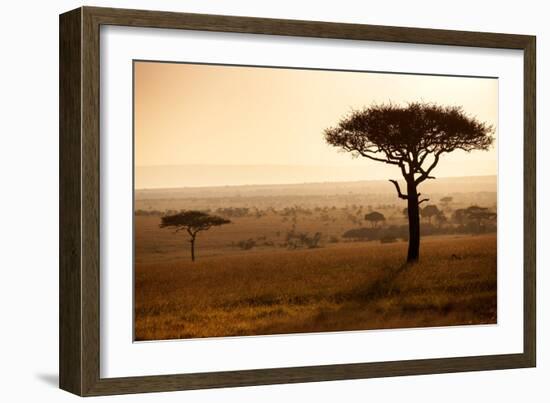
178, 176
452, 185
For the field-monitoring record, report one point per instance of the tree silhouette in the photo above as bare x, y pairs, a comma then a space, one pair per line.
429, 211
375, 217
413, 138
446, 201
479, 214
440, 219
460, 216
192, 222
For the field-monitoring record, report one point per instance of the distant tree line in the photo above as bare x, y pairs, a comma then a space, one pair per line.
471, 220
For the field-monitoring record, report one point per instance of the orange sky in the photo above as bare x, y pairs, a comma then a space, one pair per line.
232, 115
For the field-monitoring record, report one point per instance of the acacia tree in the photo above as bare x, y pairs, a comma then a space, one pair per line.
446, 201
375, 217
192, 222
479, 214
412, 138
429, 212
440, 219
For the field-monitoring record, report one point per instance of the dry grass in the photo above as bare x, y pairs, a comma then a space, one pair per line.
346, 286
155, 245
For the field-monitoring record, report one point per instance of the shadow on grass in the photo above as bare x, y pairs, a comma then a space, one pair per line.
380, 288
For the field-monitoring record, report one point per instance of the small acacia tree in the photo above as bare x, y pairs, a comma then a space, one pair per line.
429, 211
375, 217
413, 138
479, 214
192, 222
440, 219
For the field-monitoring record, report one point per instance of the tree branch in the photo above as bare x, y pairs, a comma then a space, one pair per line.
377, 159
422, 201
426, 173
399, 194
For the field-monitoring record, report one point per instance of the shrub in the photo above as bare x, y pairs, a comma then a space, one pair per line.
361, 234
296, 240
246, 244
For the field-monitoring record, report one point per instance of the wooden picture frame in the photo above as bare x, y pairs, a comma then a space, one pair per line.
79, 346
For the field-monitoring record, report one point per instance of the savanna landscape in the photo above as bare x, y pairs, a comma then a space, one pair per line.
281, 201
303, 258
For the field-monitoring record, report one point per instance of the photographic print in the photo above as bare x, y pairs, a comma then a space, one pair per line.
273, 200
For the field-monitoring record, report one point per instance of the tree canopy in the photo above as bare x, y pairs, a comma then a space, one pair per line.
406, 136
479, 213
375, 217
192, 221
429, 211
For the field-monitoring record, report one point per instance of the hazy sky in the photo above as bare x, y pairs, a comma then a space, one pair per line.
231, 115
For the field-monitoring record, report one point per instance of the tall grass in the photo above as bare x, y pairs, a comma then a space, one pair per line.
351, 286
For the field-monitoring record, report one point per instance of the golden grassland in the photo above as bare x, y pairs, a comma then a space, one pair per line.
339, 287
155, 245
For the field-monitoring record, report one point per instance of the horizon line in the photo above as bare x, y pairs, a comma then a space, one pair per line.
299, 183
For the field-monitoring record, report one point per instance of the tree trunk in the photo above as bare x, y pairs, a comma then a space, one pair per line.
192, 241
414, 222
